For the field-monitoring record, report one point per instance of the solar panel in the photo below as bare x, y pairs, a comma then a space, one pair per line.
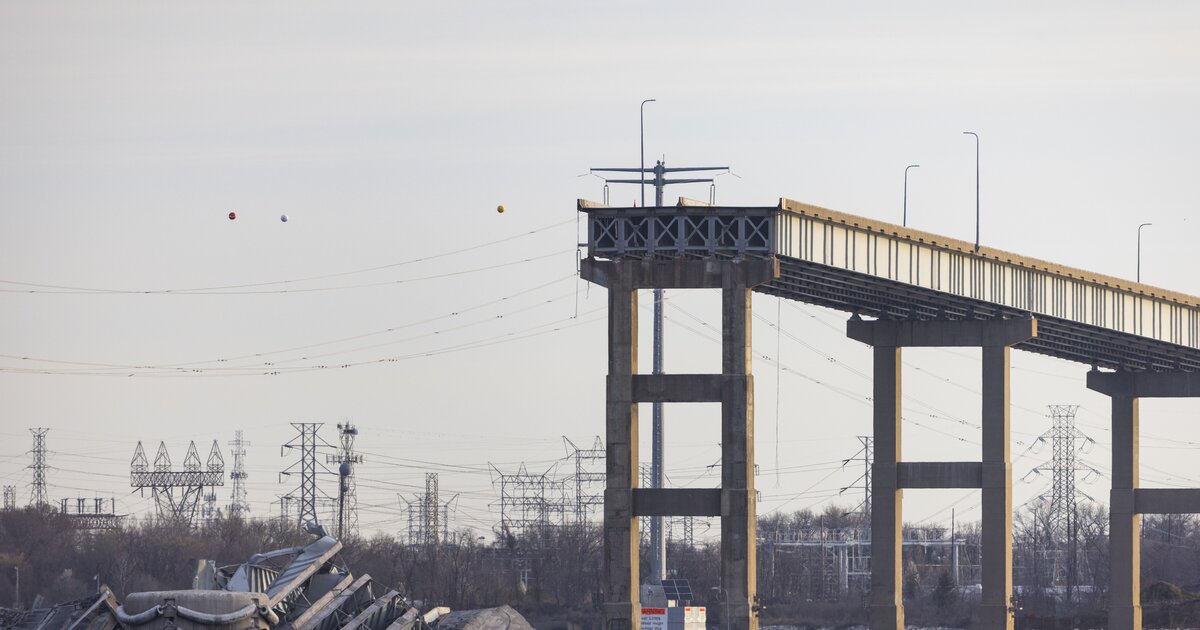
679, 590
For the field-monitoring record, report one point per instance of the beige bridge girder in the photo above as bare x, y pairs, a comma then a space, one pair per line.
921, 289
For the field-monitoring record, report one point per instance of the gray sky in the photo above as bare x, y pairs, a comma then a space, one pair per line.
389, 133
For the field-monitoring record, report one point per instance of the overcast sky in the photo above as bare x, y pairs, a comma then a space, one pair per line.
389, 132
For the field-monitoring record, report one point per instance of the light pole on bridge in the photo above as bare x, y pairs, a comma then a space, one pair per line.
972, 133
904, 218
1139, 251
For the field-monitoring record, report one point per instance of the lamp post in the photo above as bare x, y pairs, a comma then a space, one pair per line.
904, 219
1139, 251
642, 136
972, 133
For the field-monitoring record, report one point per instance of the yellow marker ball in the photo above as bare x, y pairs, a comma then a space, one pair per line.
500, 209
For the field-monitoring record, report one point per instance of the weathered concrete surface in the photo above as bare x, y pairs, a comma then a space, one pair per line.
672, 388
1145, 384
621, 607
1166, 500
887, 604
940, 474
940, 334
995, 603
993, 474
677, 501
734, 502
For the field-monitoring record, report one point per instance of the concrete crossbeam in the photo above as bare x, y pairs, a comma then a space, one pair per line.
1145, 384
941, 334
939, 474
993, 474
1166, 500
676, 388
679, 274
677, 501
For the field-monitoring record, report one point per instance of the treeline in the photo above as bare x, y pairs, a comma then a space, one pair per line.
810, 568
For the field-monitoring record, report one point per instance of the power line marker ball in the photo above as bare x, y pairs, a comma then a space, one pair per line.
283, 217
500, 208
232, 216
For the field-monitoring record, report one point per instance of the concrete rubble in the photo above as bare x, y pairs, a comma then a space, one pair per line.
297, 588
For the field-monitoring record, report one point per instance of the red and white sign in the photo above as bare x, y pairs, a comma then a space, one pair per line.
654, 619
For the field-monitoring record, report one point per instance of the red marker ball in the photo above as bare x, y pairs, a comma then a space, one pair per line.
232, 216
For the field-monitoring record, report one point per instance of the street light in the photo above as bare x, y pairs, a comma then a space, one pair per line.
972, 133
1139, 253
904, 220
642, 136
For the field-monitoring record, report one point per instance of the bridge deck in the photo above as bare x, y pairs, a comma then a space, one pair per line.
879, 269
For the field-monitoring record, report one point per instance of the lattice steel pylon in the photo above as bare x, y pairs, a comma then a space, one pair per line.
347, 460
305, 495
1063, 502
428, 517
528, 502
37, 495
177, 493
865, 455
588, 475
239, 506
430, 508
10, 497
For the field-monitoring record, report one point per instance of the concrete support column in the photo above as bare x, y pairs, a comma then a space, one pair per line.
996, 611
622, 609
1125, 527
887, 597
738, 528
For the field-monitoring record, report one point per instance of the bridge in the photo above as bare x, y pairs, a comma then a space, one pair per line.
902, 288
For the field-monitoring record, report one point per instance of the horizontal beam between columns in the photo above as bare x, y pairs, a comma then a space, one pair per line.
939, 475
1145, 384
679, 274
1167, 500
941, 333
677, 501
675, 388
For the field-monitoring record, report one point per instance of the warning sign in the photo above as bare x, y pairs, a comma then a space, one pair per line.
654, 619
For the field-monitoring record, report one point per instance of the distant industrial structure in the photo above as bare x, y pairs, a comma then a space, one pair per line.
178, 493
239, 506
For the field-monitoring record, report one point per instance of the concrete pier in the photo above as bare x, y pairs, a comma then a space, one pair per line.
1127, 501
890, 475
734, 502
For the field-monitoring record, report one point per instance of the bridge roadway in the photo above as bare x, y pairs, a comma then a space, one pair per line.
880, 269
915, 289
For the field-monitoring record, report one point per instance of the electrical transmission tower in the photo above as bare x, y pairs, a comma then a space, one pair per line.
865, 456
177, 493
1062, 510
346, 459
238, 505
305, 495
528, 502
428, 516
38, 496
10, 497
589, 473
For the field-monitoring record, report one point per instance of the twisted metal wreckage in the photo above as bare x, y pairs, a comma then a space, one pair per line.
309, 592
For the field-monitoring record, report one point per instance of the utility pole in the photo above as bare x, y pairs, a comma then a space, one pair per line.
658, 548
38, 496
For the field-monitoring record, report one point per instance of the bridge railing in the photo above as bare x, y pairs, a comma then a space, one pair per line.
931, 261
672, 231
